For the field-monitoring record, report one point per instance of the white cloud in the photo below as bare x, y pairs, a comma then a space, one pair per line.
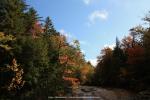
83, 51
93, 62
110, 46
98, 15
70, 37
87, 2
63, 32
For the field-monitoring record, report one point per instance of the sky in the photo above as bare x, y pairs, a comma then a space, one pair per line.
95, 23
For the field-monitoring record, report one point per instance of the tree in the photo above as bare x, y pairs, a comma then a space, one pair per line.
147, 18
4, 39
127, 42
31, 21
11, 80
104, 68
118, 61
43, 54
12, 16
6, 73
5, 48
137, 34
86, 72
146, 40
109, 65
17, 81
48, 27
33, 56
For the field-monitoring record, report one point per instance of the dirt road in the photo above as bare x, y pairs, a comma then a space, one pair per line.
97, 93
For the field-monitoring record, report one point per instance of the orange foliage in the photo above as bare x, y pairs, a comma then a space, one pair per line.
71, 63
72, 81
17, 81
65, 59
59, 41
107, 51
127, 42
68, 72
85, 70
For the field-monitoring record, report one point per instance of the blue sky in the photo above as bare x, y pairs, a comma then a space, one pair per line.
95, 23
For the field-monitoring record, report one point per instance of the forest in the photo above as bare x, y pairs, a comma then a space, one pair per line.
37, 61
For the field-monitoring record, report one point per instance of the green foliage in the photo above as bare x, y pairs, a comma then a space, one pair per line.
104, 67
45, 57
12, 16
48, 27
33, 56
38, 50
31, 17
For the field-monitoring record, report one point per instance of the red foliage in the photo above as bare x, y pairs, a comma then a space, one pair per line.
37, 29
135, 55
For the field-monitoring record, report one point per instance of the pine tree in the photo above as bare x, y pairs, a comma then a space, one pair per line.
118, 61
31, 17
49, 28
12, 16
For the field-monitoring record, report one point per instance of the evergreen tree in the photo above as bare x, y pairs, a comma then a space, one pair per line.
118, 62
31, 17
118, 53
12, 16
49, 28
